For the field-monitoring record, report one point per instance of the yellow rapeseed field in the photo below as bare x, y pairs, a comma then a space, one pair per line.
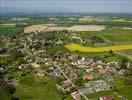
77, 47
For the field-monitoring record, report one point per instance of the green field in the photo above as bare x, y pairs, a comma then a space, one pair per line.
112, 30
31, 87
127, 52
1, 43
121, 20
115, 35
9, 30
97, 95
77, 47
3, 96
120, 38
8, 24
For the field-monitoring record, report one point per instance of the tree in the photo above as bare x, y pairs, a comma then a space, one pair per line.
1, 70
124, 63
73, 89
128, 72
3, 85
15, 54
14, 98
111, 52
79, 81
20, 61
11, 89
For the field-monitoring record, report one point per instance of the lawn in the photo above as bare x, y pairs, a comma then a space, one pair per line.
3, 96
6, 60
76, 47
31, 87
126, 91
2, 43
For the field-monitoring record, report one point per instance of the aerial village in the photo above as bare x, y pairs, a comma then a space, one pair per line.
78, 75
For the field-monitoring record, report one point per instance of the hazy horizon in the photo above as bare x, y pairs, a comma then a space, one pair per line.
65, 6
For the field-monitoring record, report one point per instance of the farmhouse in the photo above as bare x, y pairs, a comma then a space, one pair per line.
106, 98
89, 76
66, 84
35, 65
40, 53
76, 95
56, 72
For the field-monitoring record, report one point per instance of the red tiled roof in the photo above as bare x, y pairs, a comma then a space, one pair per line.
107, 98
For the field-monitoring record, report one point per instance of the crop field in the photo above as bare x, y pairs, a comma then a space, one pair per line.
57, 28
87, 28
78, 28
113, 30
77, 47
127, 28
127, 52
116, 35
8, 24
34, 28
123, 37
6, 30
121, 20
42, 27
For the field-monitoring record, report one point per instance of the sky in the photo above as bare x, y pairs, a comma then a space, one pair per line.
97, 6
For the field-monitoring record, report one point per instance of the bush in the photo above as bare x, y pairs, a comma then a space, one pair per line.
11, 89
124, 63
